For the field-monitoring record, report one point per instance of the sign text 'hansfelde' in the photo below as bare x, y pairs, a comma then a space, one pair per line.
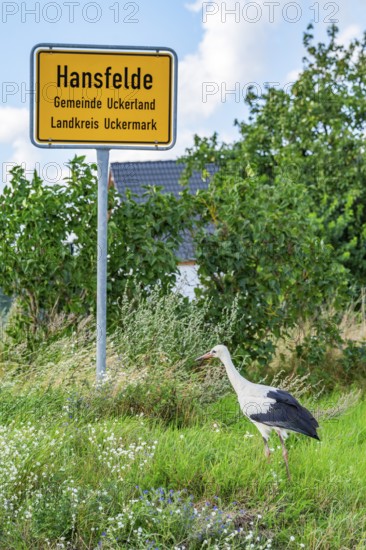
104, 97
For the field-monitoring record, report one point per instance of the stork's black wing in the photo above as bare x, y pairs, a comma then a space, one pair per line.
287, 413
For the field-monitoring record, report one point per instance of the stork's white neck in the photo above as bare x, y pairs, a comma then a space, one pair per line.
236, 379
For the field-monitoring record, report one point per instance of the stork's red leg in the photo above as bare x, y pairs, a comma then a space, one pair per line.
284, 454
267, 452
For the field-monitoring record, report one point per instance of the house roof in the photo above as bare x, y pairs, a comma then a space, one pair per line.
165, 173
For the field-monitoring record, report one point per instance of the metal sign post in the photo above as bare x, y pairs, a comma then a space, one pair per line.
103, 162
103, 97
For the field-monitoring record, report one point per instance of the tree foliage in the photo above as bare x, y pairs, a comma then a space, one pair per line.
285, 217
257, 246
315, 135
280, 230
36, 262
144, 238
48, 275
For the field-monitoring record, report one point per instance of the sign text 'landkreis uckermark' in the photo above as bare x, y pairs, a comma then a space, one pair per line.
106, 97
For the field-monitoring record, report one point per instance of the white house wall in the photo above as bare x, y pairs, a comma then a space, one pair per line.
187, 280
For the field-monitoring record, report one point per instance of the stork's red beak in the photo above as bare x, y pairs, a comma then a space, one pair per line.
207, 355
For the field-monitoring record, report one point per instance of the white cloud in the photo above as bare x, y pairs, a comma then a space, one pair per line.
13, 122
14, 127
50, 166
292, 76
227, 58
23, 151
349, 33
195, 7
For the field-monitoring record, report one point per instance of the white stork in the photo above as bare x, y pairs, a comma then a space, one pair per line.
267, 407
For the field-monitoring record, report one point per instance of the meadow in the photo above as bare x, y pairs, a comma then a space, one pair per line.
159, 456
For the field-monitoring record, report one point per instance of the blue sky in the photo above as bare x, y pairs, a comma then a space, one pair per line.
221, 46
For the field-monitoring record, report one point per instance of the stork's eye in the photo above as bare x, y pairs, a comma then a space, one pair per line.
213, 351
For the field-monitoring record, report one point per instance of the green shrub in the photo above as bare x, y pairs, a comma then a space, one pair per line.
257, 245
56, 277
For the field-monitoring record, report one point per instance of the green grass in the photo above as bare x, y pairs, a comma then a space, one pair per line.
69, 467
161, 457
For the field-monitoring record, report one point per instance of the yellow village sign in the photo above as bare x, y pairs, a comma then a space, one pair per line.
90, 96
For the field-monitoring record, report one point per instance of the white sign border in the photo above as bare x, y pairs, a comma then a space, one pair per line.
137, 49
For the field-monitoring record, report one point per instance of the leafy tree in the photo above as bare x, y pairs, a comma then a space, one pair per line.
144, 237
257, 246
315, 135
36, 263
47, 275
287, 208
